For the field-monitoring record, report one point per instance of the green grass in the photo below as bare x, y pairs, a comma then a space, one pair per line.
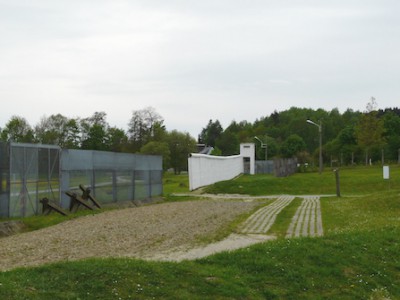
281, 224
352, 214
174, 184
358, 258
353, 181
233, 227
40, 221
339, 266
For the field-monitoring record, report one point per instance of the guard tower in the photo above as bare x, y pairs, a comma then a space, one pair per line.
247, 151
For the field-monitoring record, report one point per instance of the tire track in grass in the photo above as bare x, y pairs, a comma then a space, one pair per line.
307, 221
262, 220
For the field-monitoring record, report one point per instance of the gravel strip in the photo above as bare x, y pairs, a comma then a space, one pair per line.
132, 232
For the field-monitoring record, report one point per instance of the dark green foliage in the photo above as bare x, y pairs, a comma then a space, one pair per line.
96, 138
211, 133
228, 143
17, 130
158, 148
391, 134
292, 145
369, 133
345, 137
180, 146
348, 138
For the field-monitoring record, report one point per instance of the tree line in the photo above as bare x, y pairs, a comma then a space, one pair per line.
351, 137
146, 134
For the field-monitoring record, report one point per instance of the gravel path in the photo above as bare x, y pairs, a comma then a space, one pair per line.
168, 231
232, 242
142, 232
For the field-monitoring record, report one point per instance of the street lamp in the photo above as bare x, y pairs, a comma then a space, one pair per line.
265, 146
320, 142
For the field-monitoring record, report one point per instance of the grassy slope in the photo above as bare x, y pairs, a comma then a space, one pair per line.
357, 258
353, 181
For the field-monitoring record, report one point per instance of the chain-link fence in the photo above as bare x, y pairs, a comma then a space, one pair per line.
30, 172
111, 177
27, 173
5, 180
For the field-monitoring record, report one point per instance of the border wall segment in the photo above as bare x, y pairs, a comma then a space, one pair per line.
207, 169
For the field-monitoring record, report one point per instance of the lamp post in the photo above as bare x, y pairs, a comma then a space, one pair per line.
320, 142
265, 146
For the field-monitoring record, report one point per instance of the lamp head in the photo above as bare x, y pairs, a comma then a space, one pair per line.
258, 139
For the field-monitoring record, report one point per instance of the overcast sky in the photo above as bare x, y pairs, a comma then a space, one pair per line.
196, 60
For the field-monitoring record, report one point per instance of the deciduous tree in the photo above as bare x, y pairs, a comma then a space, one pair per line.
143, 126
58, 130
180, 145
370, 130
94, 132
293, 145
158, 148
17, 130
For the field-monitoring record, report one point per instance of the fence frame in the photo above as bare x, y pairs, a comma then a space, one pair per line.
29, 172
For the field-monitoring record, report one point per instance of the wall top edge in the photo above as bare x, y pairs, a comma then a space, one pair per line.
214, 157
28, 145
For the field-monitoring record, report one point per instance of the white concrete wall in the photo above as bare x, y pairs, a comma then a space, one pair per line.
207, 169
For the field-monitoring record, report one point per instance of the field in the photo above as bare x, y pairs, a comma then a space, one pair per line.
356, 258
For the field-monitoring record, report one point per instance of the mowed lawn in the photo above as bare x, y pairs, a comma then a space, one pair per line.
352, 182
357, 258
